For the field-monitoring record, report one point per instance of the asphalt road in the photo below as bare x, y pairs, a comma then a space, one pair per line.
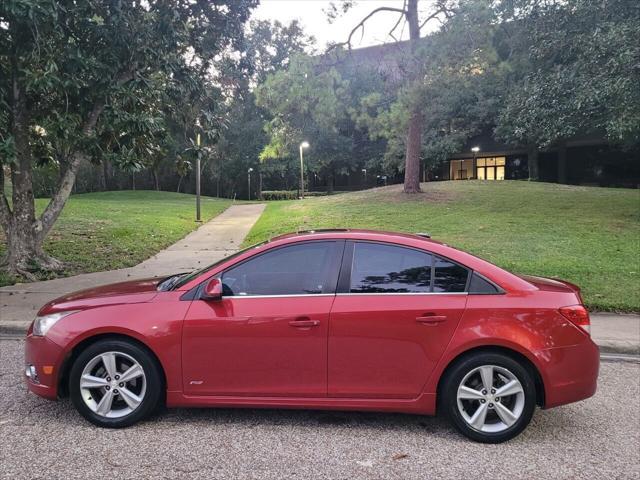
597, 438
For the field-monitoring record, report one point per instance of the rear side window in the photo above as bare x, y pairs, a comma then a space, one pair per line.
303, 269
449, 277
381, 268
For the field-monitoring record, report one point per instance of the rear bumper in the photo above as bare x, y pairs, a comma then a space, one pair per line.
570, 374
46, 358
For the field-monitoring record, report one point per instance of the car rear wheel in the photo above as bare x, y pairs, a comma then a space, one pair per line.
115, 383
489, 397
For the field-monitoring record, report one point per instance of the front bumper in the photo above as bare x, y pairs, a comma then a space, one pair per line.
570, 373
43, 359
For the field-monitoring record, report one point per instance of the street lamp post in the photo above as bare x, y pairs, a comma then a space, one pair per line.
303, 145
249, 181
198, 219
475, 151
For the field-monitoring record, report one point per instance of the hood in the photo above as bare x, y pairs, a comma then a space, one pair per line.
135, 291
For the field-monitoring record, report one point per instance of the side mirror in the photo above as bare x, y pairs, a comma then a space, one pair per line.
212, 290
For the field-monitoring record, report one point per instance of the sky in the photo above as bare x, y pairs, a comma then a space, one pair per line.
314, 20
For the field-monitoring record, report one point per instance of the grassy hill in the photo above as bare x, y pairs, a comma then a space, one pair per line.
107, 230
587, 235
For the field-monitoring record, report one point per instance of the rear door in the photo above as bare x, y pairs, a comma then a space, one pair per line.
268, 334
394, 314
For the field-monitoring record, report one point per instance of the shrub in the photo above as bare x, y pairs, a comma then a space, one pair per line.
287, 194
279, 195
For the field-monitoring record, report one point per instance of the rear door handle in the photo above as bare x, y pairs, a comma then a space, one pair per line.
304, 323
431, 319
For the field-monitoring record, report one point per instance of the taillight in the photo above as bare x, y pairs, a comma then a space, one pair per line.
578, 315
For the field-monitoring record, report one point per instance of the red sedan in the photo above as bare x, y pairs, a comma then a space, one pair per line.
341, 319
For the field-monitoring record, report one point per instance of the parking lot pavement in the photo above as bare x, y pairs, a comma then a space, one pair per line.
597, 438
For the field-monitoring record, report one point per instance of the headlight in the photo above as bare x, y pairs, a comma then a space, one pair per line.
42, 324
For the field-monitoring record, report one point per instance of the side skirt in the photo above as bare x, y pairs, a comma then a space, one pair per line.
425, 404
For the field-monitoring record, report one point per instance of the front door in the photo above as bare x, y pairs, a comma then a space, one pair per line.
391, 327
268, 334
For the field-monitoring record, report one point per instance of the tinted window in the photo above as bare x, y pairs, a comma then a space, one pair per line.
389, 269
480, 285
296, 270
449, 276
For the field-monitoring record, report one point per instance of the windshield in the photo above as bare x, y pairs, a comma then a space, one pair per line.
183, 280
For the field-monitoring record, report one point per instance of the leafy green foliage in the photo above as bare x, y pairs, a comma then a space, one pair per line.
313, 100
578, 73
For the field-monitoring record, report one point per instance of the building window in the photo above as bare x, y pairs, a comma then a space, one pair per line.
461, 169
490, 168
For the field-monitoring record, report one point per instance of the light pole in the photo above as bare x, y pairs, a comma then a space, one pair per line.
198, 219
475, 151
303, 145
249, 181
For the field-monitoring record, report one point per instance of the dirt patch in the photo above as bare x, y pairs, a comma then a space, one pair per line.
431, 193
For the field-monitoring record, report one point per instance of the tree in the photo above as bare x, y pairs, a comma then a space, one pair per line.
577, 72
409, 14
311, 100
68, 69
266, 48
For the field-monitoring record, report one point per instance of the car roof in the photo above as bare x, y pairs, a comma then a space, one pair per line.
353, 233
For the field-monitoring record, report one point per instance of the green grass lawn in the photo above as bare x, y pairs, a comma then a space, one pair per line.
108, 230
587, 235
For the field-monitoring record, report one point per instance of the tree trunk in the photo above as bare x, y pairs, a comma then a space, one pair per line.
331, 180
23, 231
179, 184
532, 163
414, 146
416, 119
106, 174
156, 181
562, 163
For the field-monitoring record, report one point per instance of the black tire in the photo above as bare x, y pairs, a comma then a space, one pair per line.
455, 375
153, 394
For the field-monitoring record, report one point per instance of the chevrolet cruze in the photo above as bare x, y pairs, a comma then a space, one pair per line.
341, 319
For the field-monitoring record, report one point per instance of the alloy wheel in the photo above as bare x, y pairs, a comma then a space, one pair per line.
490, 399
113, 384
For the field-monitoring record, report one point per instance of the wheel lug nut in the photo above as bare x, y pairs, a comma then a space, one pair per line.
491, 405
115, 392
108, 387
484, 392
121, 385
108, 379
483, 401
117, 377
493, 391
497, 399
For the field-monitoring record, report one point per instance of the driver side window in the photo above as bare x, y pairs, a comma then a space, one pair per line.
303, 269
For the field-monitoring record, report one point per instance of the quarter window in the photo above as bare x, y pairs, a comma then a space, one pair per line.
389, 269
303, 269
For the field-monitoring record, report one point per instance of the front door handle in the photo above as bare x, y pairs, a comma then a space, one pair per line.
304, 323
431, 319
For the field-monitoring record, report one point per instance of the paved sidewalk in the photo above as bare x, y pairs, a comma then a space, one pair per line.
211, 242
616, 333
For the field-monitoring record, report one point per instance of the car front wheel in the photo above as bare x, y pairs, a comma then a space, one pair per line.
115, 383
489, 397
